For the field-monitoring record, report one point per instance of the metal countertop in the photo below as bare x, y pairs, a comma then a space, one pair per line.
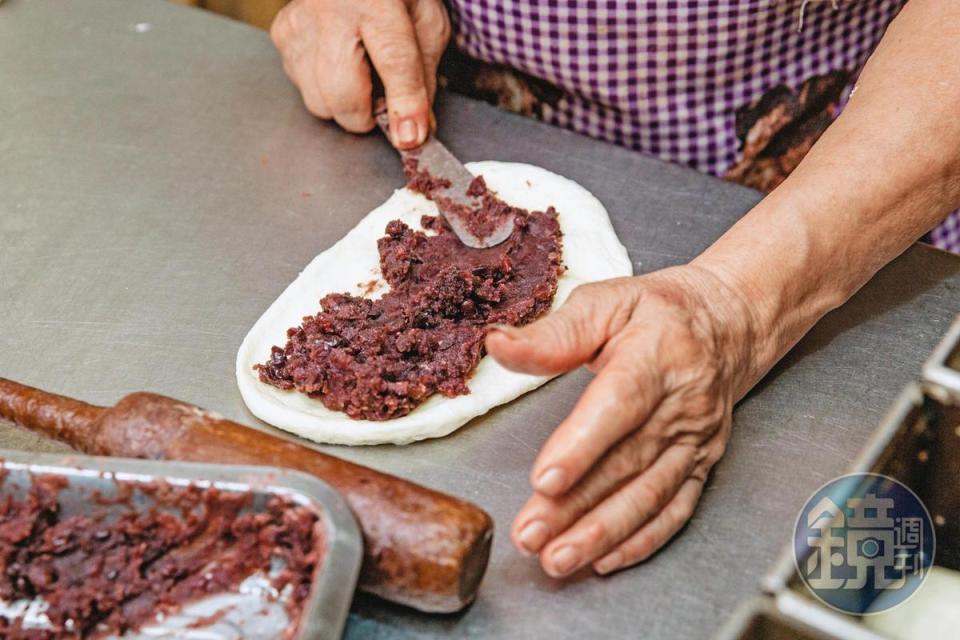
161, 184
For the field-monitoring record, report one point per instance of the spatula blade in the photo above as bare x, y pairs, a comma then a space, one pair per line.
437, 160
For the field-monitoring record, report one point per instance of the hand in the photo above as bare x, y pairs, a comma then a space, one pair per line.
326, 44
622, 474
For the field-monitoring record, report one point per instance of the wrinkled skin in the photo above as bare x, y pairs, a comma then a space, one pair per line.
327, 47
673, 350
625, 470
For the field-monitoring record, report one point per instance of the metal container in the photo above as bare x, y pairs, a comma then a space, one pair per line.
943, 367
918, 443
254, 611
760, 618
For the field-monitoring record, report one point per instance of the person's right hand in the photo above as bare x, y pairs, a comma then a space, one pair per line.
327, 47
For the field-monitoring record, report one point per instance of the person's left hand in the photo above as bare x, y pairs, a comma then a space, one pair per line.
672, 352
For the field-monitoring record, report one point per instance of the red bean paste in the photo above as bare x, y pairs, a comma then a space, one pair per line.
106, 573
481, 220
380, 359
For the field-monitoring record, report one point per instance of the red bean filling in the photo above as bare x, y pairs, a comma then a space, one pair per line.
380, 359
481, 220
102, 574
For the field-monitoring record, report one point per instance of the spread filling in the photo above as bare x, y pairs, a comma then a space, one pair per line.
103, 573
380, 359
481, 220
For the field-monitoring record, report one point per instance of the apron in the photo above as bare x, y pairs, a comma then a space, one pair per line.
734, 88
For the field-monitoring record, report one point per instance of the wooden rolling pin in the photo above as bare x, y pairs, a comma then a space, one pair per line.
422, 548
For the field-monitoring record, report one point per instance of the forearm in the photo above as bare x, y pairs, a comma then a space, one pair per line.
883, 174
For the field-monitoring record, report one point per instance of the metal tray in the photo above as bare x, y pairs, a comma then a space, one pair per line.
943, 366
761, 618
918, 443
325, 611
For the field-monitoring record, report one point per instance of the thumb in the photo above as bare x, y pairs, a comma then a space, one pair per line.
566, 338
391, 43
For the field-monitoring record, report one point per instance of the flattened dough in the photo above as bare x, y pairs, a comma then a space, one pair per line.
591, 251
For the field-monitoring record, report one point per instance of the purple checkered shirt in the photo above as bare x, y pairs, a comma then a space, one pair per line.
666, 77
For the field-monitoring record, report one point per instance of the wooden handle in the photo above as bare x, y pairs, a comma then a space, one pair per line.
64, 419
422, 548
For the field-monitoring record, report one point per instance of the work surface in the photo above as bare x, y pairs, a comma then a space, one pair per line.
161, 184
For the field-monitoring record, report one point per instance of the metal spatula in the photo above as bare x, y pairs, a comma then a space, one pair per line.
435, 158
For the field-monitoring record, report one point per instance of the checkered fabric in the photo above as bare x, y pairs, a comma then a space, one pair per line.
947, 235
666, 77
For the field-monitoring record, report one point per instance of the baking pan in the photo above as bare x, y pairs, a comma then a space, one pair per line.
760, 618
943, 366
253, 612
918, 443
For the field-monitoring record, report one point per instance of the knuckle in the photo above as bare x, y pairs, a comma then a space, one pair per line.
640, 547
630, 457
700, 406
719, 413
438, 22
690, 362
581, 294
597, 534
354, 121
280, 30
619, 466
563, 337
348, 97
621, 384
713, 456
679, 511
294, 19
303, 20
277, 36
446, 31
646, 496
583, 497
429, 13
676, 418
316, 105
573, 322
289, 29
394, 47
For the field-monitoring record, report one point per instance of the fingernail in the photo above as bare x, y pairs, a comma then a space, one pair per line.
564, 559
610, 563
533, 536
407, 132
551, 482
511, 332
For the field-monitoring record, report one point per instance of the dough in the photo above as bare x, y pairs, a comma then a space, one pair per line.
591, 251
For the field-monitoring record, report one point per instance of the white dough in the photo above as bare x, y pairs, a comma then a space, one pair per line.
591, 251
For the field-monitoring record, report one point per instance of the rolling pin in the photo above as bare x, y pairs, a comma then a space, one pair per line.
422, 548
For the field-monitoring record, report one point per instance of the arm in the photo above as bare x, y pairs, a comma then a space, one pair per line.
882, 175
673, 350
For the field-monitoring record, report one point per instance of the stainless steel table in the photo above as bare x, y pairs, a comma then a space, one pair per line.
160, 184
